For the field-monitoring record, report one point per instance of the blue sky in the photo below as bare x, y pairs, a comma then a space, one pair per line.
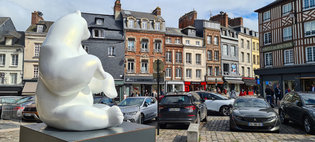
20, 10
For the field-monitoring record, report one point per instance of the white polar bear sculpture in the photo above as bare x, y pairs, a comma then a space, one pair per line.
67, 78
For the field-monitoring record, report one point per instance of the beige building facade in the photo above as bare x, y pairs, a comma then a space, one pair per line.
255, 54
245, 54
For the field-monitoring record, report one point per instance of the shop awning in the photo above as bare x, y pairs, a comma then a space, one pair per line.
29, 88
249, 82
234, 82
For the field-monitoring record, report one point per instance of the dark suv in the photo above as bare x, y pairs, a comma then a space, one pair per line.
300, 108
182, 108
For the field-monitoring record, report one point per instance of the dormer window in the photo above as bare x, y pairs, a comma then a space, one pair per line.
144, 24
98, 33
99, 21
157, 26
131, 23
40, 28
8, 41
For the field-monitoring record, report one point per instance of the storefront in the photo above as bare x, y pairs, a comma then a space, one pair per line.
248, 86
213, 83
232, 83
11, 90
174, 86
141, 85
290, 78
195, 86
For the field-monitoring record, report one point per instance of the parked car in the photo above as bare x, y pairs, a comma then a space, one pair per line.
253, 114
300, 108
4, 100
216, 102
30, 113
103, 100
183, 108
139, 109
14, 110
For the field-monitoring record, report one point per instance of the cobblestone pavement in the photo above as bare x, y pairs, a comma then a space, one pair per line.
217, 129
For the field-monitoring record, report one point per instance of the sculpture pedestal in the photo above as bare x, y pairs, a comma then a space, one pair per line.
125, 132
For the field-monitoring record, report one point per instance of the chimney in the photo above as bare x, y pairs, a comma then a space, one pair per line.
236, 22
117, 9
222, 18
157, 11
187, 20
36, 17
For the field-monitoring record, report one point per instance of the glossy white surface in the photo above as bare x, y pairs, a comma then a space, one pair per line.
67, 78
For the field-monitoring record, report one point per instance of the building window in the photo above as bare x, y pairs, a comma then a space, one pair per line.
35, 71
216, 41
243, 71
178, 73
248, 72
198, 73
99, 21
168, 56
198, 59
2, 59
268, 59
267, 38
131, 23
248, 58
2, 77
225, 50
178, 57
40, 28
248, 44
209, 39
286, 8
157, 25
226, 69
8, 41
144, 45
177, 41
15, 58
242, 55
187, 42
198, 43
131, 44
309, 4
188, 73
310, 54
157, 46
266, 16
144, 66
98, 33
242, 43
309, 28
216, 55
217, 71
188, 58
257, 46
288, 56
254, 59
210, 71
258, 60
168, 40
209, 55
168, 72
111, 51
233, 51
287, 33
85, 48
131, 65
37, 49
13, 78
254, 46
144, 25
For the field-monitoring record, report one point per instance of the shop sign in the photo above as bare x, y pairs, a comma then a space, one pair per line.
278, 47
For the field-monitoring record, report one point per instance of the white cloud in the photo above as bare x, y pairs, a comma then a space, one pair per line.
20, 10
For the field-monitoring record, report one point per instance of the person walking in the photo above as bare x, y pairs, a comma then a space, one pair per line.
313, 88
269, 94
278, 94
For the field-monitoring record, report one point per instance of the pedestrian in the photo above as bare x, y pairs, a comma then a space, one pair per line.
313, 88
278, 94
269, 94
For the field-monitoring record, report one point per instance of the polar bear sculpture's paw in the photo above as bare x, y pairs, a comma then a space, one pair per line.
116, 117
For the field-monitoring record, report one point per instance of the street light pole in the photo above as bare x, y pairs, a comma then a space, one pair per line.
158, 94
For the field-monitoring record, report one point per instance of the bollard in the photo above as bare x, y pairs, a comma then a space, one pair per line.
193, 133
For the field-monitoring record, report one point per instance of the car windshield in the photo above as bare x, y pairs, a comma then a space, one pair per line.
104, 100
253, 102
9, 100
131, 102
24, 100
175, 100
309, 99
218, 96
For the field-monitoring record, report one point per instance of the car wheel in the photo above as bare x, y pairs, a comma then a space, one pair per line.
283, 120
162, 126
142, 118
225, 110
205, 119
308, 125
197, 119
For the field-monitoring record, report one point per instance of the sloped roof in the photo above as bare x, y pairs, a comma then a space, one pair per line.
32, 28
109, 21
139, 15
3, 20
174, 31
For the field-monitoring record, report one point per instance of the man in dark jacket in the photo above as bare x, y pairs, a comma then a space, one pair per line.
278, 94
269, 94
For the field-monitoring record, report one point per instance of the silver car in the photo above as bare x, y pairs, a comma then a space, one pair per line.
139, 109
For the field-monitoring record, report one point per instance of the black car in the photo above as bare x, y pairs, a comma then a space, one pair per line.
253, 114
182, 108
299, 108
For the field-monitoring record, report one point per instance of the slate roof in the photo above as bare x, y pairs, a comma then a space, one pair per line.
3, 20
109, 21
32, 28
139, 15
174, 31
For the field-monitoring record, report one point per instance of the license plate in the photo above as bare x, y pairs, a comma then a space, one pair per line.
27, 114
255, 124
174, 109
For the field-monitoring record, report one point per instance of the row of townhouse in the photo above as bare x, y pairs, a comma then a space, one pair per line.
287, 41
199, 55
